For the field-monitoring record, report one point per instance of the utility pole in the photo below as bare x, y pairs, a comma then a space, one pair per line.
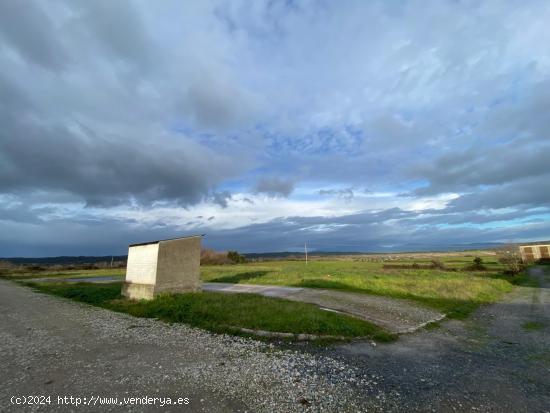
305, 248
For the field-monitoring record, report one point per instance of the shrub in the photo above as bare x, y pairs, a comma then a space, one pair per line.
477, 265
235, 257
211, 257
509, 256
34, 268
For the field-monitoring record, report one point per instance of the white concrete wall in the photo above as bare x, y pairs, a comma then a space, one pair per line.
142, 264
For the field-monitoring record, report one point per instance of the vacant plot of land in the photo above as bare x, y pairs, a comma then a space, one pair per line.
453, 289
489, 363
454, 292
222, 312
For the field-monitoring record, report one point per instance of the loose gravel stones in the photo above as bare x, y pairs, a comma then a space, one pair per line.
52, 345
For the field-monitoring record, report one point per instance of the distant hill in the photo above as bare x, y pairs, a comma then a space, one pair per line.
65, 260
68, 260
403, 249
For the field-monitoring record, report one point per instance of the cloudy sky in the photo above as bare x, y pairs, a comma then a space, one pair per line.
349, 125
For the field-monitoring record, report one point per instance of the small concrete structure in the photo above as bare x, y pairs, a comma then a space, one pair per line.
164, 266
531, 253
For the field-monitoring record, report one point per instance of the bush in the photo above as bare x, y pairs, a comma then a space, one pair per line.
235, 257
509, 256
211, 257
34, 268
477, 265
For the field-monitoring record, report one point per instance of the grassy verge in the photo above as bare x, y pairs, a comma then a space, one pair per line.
25, 275
457, 293
218, 312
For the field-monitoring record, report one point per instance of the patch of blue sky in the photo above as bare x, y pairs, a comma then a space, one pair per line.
234, 185
328, 140
410, 185
185, 129
210, 139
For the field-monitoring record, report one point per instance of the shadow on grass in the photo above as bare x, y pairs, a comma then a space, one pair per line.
327, 284
242, 276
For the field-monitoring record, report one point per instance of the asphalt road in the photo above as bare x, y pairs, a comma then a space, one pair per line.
490, 363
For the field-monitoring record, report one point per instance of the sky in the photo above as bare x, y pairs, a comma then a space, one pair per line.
350, 125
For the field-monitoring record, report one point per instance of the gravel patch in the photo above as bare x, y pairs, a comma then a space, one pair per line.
54, 346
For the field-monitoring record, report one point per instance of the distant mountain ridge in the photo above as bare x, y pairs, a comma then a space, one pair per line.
66, 260
82, 259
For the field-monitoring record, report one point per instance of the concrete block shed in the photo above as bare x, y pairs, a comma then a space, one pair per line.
163, 266
533, 252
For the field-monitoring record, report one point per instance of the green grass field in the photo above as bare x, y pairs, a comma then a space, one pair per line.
452, 290
456, 293
25, 274
219, 312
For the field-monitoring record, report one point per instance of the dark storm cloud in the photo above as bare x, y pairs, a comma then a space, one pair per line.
449, 217
274, 186
365, 232
53, 239
534, 192
29, 31
80, 127
119, 28
221, 198
477, 166
511, 145
106, 170
387, 230
216, 104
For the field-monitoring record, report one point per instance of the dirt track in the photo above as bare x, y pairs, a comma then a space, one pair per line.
489, 363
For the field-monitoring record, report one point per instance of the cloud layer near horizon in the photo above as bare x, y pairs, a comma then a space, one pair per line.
352, 125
